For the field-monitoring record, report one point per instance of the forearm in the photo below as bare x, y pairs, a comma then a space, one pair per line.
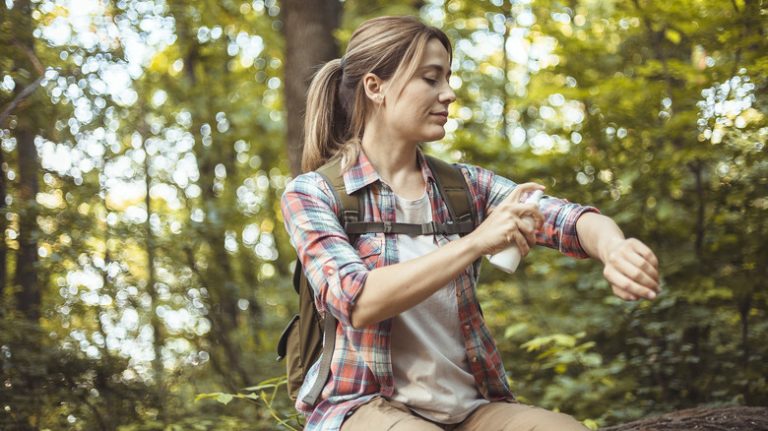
392, 289
598, 235
630, 266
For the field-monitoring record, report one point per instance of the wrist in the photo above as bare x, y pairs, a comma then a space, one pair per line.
608, 245
472, 246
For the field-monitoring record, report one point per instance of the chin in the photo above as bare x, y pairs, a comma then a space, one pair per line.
434, 136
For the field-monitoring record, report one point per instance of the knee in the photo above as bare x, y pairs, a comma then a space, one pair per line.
564, 422
540, 419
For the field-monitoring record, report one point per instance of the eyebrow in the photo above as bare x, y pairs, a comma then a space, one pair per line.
437, 67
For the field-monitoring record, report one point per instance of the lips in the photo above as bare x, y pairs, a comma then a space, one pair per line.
440, 116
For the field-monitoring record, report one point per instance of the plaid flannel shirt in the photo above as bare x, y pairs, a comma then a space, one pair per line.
361, 368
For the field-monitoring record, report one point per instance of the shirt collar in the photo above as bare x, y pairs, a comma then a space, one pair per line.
362, 173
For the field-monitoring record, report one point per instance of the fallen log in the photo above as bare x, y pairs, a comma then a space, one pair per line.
736, 418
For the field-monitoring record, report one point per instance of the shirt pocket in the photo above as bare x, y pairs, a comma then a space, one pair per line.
369, 248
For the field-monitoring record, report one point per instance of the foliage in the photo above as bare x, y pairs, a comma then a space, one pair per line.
165, 271
270, 400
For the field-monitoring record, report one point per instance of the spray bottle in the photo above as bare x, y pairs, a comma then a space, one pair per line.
507, 260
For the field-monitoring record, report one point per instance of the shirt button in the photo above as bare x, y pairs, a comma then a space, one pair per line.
466, 326
474, 359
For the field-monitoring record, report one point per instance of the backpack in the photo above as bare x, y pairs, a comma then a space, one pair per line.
310, 335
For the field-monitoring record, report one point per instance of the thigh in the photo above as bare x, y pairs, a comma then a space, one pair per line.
383, 415
518, 417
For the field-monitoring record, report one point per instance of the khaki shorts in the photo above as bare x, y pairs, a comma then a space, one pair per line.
381, 414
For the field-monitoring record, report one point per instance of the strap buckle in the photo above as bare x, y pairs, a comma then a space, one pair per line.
350, 216
387, 227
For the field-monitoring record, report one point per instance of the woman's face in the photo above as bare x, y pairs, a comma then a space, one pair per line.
419, 113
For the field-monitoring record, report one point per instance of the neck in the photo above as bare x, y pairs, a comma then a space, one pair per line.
392, 157
395, 160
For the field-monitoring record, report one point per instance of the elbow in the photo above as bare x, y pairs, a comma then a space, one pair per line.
356, 322
358, 319
341, 297
365, 310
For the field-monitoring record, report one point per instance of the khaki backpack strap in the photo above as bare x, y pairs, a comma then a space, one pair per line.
454, 189
349, 205
349, 212
329, 342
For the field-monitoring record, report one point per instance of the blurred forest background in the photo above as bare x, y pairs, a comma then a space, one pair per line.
145, 271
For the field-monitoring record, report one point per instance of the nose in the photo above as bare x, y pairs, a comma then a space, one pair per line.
447, 96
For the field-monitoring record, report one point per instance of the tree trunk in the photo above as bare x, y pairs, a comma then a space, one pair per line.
702, 419
28, 297
3, 206
508, 22
308, 27
155, 323
3, 225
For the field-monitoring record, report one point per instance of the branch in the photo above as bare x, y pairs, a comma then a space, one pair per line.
26, 92
31, 56
84, 399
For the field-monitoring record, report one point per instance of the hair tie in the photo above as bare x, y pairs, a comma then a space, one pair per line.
343, 62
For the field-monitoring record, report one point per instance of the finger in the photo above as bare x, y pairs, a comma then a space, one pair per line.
530, 237
645, 251
528, 230
623, 294
636, 259
532, 210
520, 241
642, 256
623, 283
632, 271
520, 190
526, 210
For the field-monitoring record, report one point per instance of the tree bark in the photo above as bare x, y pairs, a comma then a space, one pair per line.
3, 225
308, 27
28, 297
702, 419
155, 323
506, 9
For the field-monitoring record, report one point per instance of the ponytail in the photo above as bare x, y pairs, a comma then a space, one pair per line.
325, 121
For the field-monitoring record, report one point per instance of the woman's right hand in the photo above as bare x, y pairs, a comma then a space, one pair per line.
505, 224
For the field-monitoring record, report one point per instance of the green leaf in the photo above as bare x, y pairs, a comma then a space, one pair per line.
673, 36
221, 397
224, 398
591, 424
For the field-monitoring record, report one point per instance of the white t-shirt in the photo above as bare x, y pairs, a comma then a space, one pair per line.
428, 356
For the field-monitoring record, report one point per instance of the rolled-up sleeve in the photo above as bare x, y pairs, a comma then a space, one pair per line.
560, 216
332, 266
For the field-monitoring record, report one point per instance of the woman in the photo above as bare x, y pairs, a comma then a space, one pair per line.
373, 108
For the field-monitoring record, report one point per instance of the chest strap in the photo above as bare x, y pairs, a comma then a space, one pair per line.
410, 229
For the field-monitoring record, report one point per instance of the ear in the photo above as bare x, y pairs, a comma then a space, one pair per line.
374, 88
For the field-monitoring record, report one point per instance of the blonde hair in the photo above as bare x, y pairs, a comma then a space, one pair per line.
389, 47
